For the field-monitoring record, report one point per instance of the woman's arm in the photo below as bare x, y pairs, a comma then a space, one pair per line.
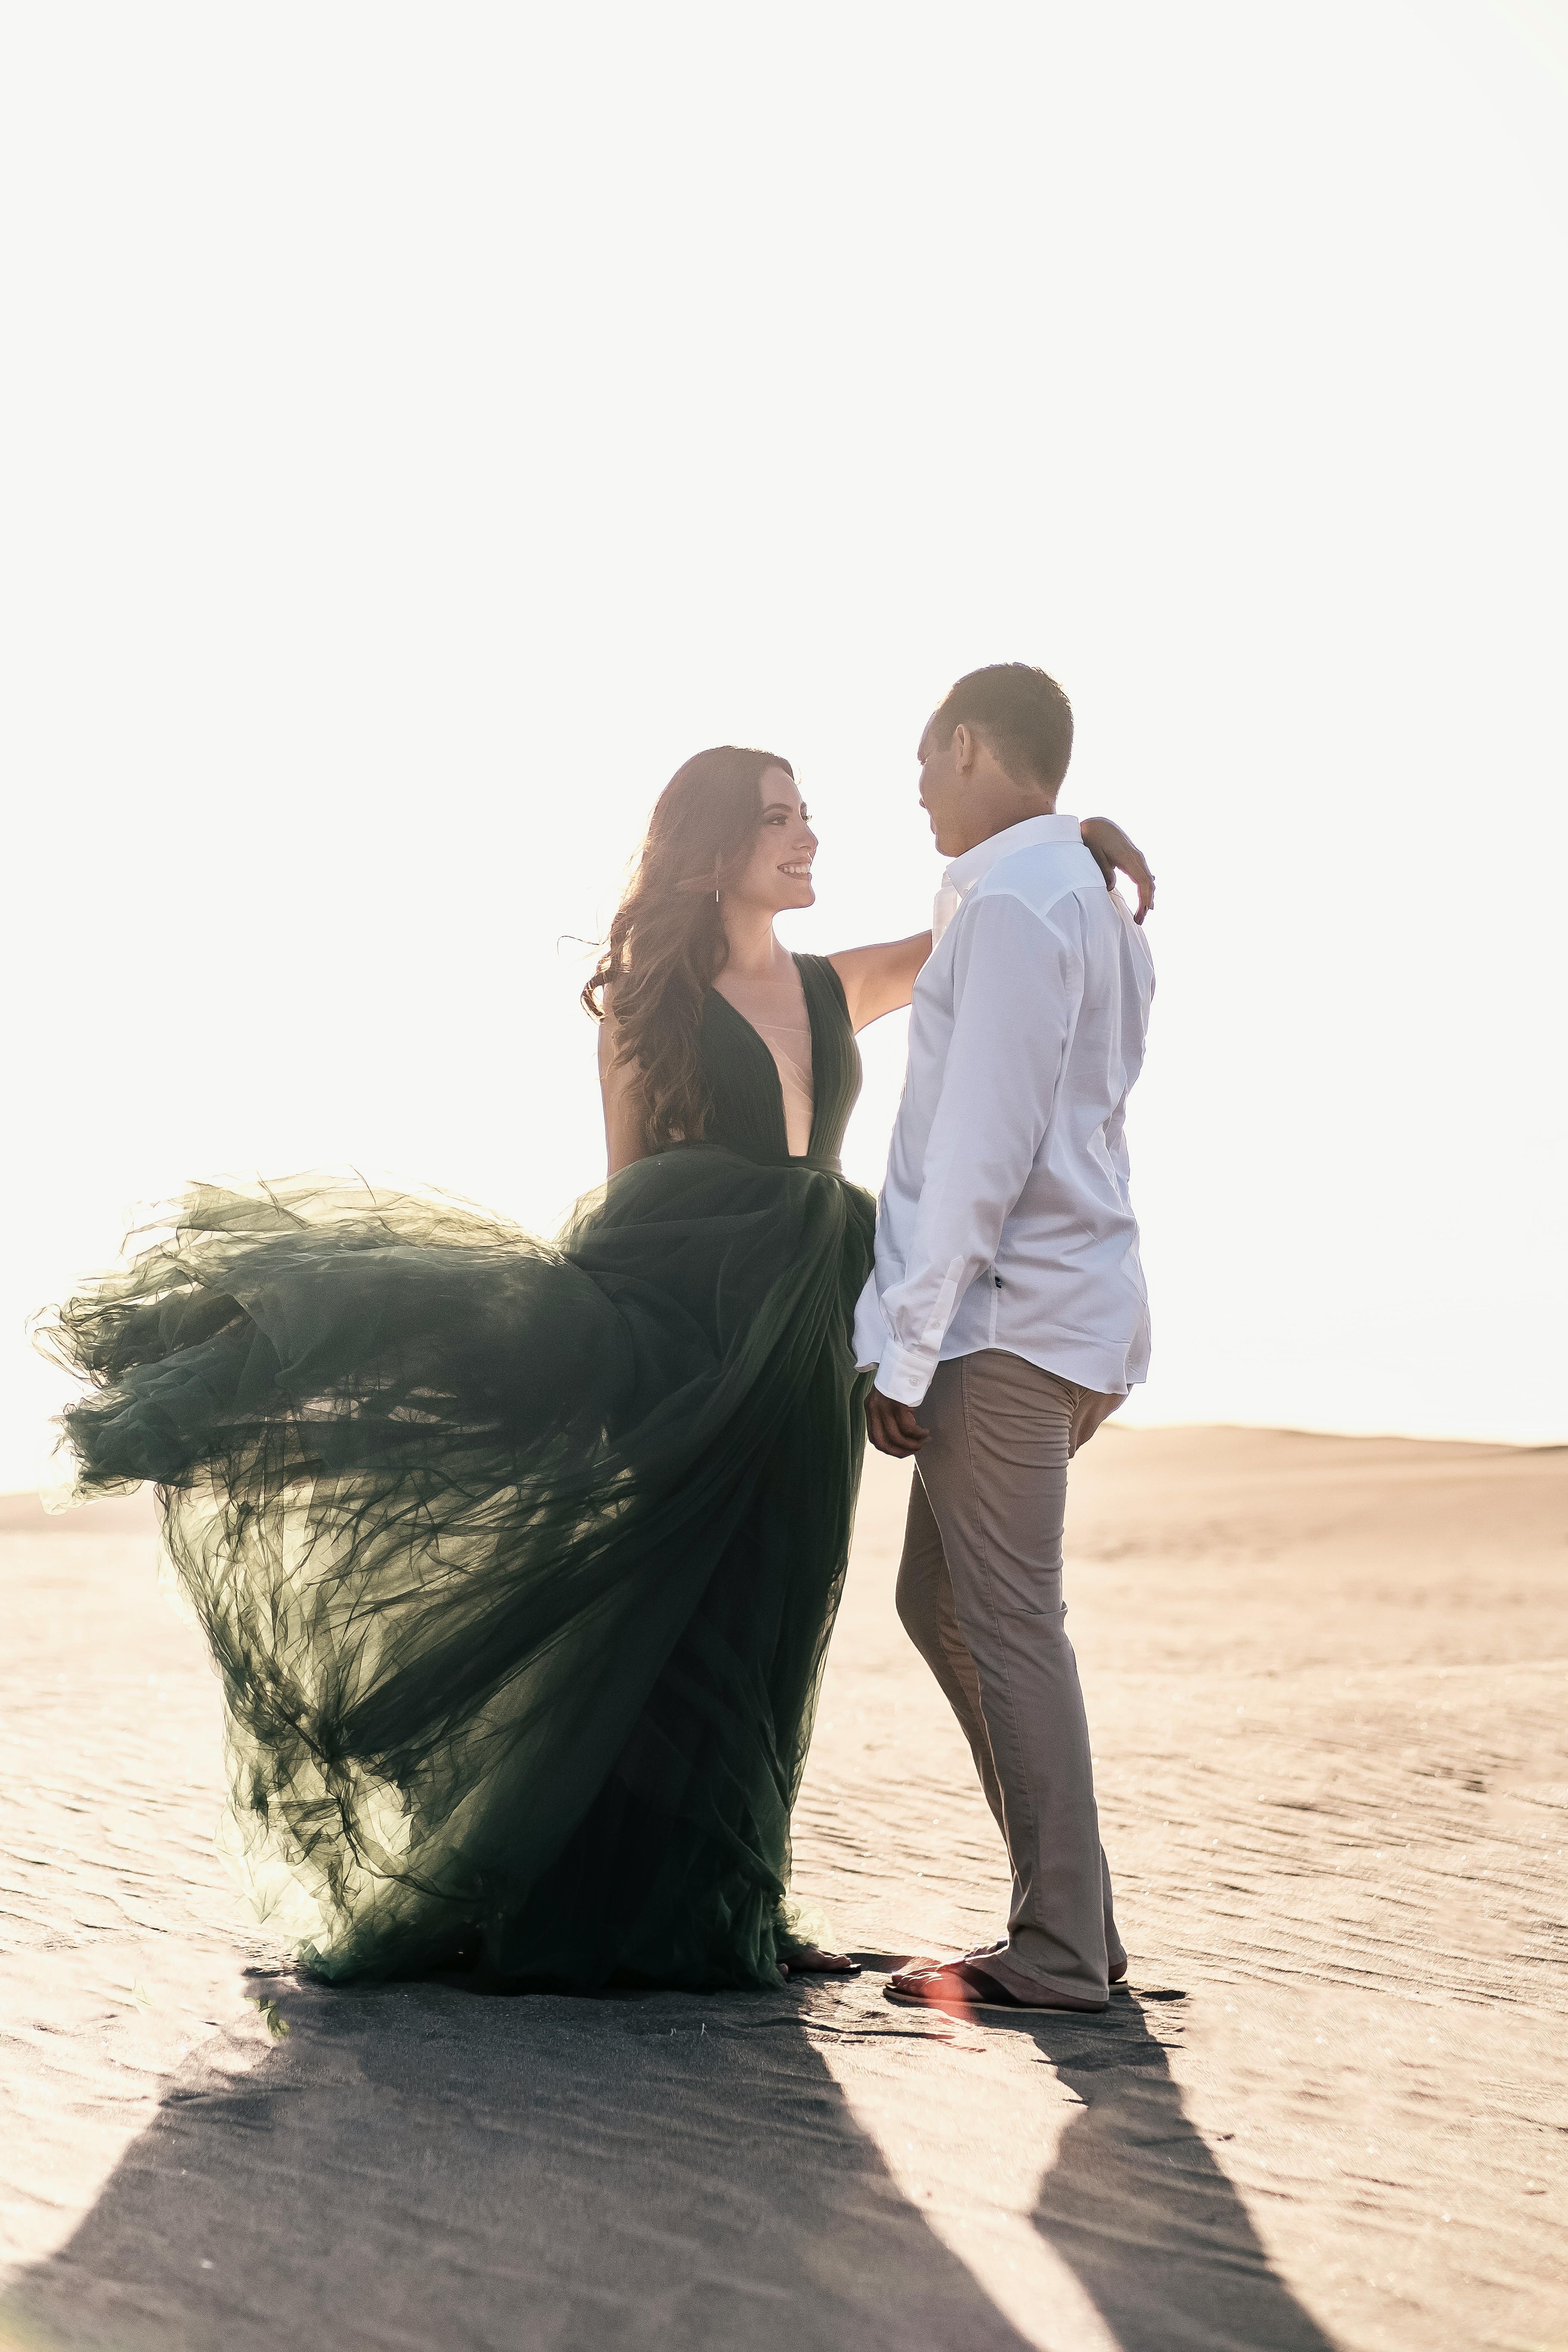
881, 979
1114, 853
623, 1114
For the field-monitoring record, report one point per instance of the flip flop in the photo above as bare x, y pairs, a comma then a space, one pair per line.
1118, 1974
959, 1986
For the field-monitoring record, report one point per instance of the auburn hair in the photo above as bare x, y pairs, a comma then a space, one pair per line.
668, 945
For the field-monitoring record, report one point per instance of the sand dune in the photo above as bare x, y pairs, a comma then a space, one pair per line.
1326, 1678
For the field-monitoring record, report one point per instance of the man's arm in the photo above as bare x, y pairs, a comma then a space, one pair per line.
1016, 982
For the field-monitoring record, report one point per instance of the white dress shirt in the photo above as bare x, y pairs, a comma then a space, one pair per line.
1005, 1220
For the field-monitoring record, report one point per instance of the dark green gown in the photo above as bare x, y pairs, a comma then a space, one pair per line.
518, 1561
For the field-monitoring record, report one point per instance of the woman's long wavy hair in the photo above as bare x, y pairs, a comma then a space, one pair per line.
666, 944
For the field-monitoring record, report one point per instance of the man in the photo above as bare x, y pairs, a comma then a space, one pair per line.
1006, 1316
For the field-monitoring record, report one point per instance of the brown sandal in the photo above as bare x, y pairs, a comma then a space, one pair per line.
959, 1986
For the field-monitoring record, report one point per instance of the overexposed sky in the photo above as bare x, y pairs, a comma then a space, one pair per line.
424, 428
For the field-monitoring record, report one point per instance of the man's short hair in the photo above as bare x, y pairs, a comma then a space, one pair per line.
1022, 715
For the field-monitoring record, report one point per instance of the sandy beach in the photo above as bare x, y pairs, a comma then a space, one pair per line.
1326, 1678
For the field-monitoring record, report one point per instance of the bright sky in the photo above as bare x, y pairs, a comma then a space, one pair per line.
424, 427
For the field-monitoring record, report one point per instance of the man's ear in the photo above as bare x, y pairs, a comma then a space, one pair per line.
962, 749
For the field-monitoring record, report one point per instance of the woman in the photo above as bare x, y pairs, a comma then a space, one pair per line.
519, 1561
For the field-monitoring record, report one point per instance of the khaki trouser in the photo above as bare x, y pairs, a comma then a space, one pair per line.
980, 1593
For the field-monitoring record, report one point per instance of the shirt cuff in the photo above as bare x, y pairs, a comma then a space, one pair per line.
905, 1373
871, 1334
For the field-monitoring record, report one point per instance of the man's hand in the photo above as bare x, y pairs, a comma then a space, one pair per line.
891, 1427
1112, 853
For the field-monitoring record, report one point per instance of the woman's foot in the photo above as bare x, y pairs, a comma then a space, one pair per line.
810, 1960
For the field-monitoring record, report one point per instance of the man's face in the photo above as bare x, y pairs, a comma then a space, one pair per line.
941, 787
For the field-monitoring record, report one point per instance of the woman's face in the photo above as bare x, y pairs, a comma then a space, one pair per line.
777, 875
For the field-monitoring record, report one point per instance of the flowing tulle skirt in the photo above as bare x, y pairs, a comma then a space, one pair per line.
518, 1562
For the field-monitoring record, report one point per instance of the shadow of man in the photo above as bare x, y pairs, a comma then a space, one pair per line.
1139, 2209
411, 2166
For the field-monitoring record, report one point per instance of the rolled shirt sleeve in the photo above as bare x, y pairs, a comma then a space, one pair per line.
1016, 980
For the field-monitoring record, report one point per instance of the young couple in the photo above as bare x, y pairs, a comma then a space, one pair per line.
519, 1561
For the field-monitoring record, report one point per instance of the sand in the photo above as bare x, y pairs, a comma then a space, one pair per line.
1326, 1680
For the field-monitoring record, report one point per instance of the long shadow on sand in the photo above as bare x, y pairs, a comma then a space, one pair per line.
414, 2167
1139, 2209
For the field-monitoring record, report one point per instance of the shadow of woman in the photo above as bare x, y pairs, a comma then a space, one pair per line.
411, 2166
1139, 2211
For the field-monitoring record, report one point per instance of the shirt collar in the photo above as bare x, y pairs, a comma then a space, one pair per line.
966, 871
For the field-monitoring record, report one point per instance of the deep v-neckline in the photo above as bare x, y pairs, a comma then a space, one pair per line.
763, 1046
746, 1111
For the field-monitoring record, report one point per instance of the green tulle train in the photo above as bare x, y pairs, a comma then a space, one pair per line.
518, 1561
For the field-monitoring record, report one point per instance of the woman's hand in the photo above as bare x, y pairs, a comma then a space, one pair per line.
1114, 854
